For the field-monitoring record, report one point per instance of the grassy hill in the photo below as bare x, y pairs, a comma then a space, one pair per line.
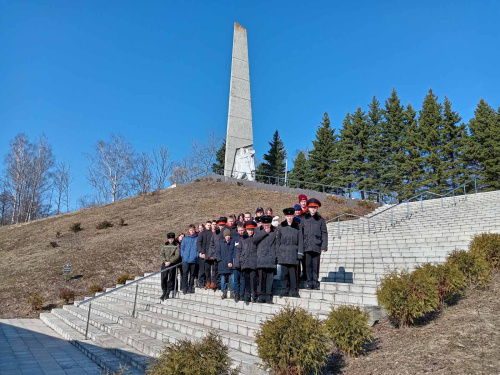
29, 263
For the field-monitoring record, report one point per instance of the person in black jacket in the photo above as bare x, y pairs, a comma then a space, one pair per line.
225, 260
237, 278
288, 251
314, 240
247, 261
202, 246
265, 240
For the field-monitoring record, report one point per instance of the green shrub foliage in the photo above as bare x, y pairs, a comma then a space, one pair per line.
473, 266
293, 341
408, 296
348, 329
208, 356
487, 245
450, 282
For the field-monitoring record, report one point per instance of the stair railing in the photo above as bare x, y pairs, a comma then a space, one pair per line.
418, 197
128, 284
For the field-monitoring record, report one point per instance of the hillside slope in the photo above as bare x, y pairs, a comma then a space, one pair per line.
29, 263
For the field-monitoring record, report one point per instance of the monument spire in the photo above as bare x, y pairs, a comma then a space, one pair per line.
239, 161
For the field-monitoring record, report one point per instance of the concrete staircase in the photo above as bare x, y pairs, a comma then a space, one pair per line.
349, 271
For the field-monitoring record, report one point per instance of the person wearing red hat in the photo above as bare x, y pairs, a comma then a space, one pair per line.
265, 240
302, 272
315, 240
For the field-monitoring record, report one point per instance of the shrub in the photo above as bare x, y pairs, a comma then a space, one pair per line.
197, 180
76, 227
474, 267
208, 356
408, 296
348, 329
35, 300
95, 288
67, 294
122, 279
104, 225
487, 245
366, 204
336, 199
53, 244
450, 282
122, 222
293, 341
239, 183
58, 234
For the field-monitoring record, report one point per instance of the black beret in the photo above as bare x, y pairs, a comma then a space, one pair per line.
222, 219
289, 211
313, 202
258, 219
170, 235
266, 219
250, 224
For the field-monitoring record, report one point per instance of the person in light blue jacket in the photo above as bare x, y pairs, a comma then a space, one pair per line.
189, 255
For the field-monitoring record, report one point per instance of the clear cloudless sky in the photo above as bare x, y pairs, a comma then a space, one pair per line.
158, 72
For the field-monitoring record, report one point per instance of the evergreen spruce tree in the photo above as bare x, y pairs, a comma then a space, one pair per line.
413, 170
454, 139
431, 125
374, 157
391, 146
274, 161
300, 171
483, 151
323, 153
220, 159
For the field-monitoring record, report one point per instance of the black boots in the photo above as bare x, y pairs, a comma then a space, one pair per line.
224, 294
236, 297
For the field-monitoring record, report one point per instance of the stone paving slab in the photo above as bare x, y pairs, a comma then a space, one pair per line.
29, 347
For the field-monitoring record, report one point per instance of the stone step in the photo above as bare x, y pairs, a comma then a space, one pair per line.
103, 357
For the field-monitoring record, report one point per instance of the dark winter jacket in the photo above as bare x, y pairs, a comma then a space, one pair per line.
238, 244
189, 252
266, 248
288, 243
216, 237
225, 254
233, 229
203, 243
248, 254
313, 232
170, 253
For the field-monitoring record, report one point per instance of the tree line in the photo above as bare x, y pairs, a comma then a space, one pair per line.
393, 149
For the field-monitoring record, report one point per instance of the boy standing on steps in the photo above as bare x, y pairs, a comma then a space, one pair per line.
203, 244
248, 261
169, 256
315, 241
189, 255
225, 260
265, 240
238, 280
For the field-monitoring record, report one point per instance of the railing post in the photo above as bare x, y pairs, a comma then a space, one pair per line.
369, 226
442, 202
407, 210
421, 204
338, 227
454, 202
88, 321
392, 218
475, 186
465, 193
175, 282
135, 298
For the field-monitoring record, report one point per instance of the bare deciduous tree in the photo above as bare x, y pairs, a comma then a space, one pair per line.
62, 178
203, 153
184, 172
142, 174
161, 166
110, 168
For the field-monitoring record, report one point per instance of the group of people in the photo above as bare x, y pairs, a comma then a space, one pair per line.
247, 252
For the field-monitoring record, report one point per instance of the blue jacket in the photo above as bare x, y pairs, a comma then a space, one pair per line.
225, 254
189, 251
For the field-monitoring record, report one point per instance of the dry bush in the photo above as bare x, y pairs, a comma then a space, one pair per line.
75, 227
58, 234
122, 222
53, 244
35, 300
366, 204
95, 288
67, 294
336, 199
122, 279
104, 225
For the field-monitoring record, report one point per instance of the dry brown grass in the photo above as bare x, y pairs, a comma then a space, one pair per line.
464, 339
28, 262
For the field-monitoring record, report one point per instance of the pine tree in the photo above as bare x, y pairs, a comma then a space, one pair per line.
431, 123
454, 139
483, 151
220, 159
323, 153
274, 161
300, 171
412, 168
374, 157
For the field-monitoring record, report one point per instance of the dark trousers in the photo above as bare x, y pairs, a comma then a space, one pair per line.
288, 273
266, 278
250, 283
187, 282
167, 279
302, 269
201, 272
210, 271
312, 267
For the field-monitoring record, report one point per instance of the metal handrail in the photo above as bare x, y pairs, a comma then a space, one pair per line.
136, 281
407, 201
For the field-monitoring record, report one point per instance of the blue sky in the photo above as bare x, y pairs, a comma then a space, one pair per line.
158, 72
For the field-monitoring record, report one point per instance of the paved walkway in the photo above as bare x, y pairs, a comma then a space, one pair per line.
29, 347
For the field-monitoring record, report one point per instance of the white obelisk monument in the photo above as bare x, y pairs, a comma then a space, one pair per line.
239, 161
